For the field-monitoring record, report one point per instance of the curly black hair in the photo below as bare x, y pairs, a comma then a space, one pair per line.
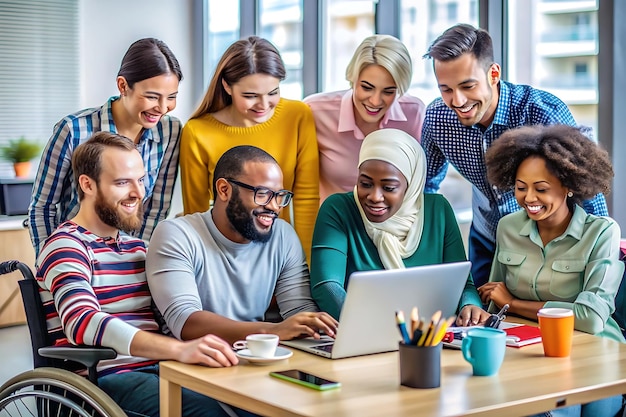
578, 162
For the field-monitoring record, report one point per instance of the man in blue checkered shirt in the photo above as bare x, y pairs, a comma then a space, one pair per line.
475, 108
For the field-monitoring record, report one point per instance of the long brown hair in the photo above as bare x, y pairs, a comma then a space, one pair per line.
253, 55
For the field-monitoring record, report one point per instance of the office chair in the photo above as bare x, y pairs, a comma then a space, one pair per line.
620, 302
53, 387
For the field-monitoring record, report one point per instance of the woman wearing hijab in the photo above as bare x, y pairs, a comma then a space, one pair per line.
381, 225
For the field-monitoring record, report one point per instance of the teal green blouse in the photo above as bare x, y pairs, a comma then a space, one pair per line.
341, 246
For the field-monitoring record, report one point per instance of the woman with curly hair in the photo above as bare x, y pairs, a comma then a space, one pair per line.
552, 253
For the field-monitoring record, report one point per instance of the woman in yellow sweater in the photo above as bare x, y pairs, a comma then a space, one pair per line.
242, 106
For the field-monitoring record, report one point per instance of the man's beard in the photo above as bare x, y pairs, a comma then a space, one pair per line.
243, 222
111, 216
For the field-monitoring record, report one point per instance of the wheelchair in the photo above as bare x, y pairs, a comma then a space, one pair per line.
53, 388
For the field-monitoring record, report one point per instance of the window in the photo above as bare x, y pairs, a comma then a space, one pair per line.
581, 69
40, 71
417, 33
281, 24
452, 11
553, 46
346, 24
223, 30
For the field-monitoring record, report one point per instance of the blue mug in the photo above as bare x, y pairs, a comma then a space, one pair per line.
484, 348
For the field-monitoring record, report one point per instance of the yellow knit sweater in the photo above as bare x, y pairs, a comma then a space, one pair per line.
289, 136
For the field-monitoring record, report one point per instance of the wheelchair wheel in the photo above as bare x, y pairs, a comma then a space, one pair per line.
48, 392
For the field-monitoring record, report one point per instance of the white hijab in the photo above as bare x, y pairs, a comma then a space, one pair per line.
399, 236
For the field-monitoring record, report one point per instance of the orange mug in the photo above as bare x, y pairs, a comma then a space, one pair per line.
557, 330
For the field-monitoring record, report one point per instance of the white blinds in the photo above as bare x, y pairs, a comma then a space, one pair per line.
39, 68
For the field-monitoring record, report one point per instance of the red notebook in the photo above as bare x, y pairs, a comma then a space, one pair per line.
523, 335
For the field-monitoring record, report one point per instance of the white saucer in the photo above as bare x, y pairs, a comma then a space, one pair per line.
281, 353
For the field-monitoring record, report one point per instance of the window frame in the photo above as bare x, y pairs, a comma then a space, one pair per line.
493, 18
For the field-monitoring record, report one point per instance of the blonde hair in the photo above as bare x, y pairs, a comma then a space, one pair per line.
386, 51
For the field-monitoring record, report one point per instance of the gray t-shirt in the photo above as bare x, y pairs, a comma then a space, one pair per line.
191, 266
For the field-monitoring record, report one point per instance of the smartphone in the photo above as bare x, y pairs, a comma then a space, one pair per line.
306, 379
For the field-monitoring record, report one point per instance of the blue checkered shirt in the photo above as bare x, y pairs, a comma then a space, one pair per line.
446, 140
55, 198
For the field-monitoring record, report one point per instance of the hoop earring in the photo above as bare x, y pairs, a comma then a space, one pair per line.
570, 194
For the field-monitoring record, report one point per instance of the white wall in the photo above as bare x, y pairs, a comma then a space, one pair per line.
109, 27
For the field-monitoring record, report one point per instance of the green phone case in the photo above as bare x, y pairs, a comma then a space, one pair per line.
306, 384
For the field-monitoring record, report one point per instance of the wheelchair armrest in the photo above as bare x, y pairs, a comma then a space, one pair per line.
89, 356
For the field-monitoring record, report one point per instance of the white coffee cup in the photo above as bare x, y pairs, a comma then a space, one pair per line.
260, 345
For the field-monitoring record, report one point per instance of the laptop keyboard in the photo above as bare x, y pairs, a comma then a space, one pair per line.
326, 348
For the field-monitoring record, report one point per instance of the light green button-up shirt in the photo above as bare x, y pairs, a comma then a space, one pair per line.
579, 270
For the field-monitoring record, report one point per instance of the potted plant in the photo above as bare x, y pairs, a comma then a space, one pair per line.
20, 151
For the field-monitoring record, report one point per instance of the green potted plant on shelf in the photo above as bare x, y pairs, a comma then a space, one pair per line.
20, 151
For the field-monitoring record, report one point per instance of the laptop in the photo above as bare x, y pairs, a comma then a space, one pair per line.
367, 322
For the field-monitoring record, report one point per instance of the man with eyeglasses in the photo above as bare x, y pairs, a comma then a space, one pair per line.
216, 272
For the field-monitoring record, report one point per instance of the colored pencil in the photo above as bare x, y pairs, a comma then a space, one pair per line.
402, 327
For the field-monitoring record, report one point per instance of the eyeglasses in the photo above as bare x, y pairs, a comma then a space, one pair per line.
263, 195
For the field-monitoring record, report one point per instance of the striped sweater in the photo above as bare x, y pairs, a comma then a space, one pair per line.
95, 293
55, 195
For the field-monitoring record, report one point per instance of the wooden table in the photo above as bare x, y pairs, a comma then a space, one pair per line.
527, 383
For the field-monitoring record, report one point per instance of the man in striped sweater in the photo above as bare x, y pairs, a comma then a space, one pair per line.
93, 283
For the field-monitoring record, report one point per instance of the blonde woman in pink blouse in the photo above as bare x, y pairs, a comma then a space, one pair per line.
379, 74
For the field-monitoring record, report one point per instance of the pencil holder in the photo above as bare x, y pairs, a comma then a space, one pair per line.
420, 366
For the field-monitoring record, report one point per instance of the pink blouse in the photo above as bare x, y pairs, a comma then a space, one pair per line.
339, 139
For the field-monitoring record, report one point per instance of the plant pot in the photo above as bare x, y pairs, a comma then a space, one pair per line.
22, 169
